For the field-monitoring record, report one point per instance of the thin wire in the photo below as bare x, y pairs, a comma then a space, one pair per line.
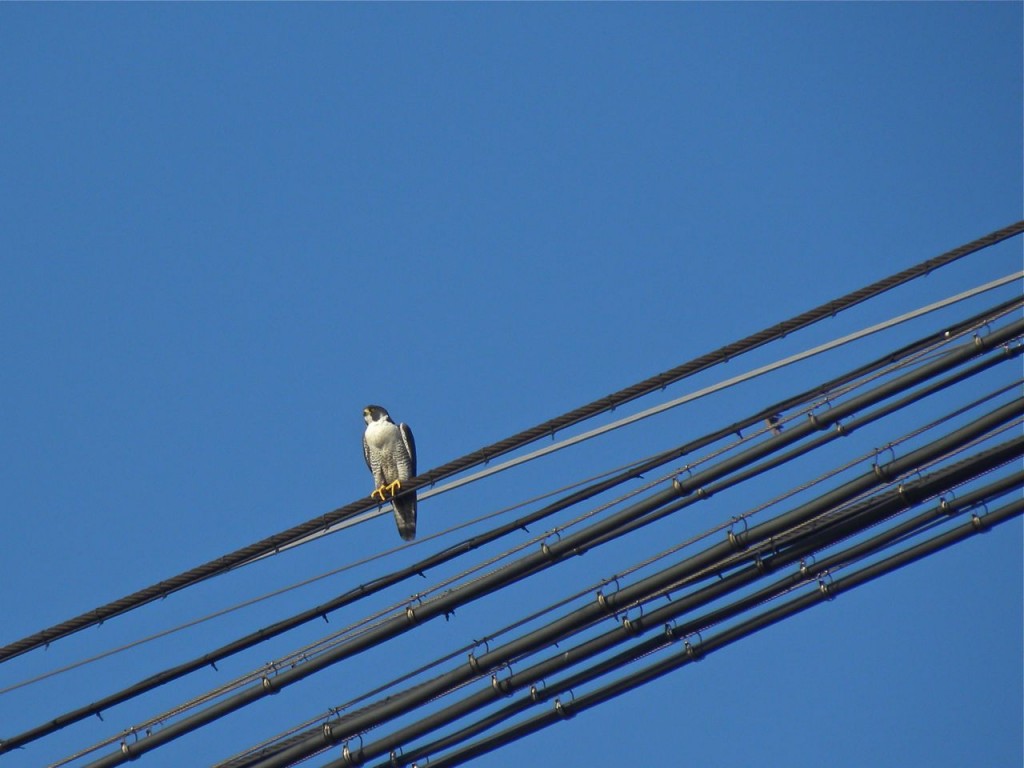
688, 398
306, 582
961, 432
348, 631
688, 654
226, 562
379, 743
718, 566
784, 536
851, 387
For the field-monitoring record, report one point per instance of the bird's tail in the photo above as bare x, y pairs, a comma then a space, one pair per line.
405, 517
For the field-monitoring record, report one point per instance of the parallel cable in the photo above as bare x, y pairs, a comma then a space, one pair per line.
311, 580
699, 649
997, 488
665, 617
574, 545
693, 396
483, 455
614, 604
417, 568
995, 338
627, 629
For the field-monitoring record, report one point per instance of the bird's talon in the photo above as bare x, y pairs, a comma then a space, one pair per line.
379, 492
395, 486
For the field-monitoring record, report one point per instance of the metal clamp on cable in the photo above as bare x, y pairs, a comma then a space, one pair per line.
602, 598
563, 709
734, 540
349, 757
502, 686
545, 547
901, 491
474, 663
670, 631
806, 563
820, 424
692, 652
631, 626
881, 472
825, 585
678, 485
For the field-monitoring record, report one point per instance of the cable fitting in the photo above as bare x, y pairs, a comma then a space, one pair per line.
736, 541
500, 686
901, 491
692, 652
563, 710
825, 585
349, 758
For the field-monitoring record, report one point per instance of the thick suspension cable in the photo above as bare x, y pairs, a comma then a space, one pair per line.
698, 649
571, 546
616, 603
367, 589
995, 339
609, 402
688, 398
664, 618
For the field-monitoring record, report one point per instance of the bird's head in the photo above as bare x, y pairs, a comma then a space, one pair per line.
372, 413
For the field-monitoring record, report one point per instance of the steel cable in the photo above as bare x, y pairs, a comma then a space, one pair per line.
488, 453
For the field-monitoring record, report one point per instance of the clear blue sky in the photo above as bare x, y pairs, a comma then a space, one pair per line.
226, 228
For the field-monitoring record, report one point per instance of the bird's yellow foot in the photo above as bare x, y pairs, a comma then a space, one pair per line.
395, 486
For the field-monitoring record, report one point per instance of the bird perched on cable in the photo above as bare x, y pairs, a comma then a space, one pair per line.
390, 453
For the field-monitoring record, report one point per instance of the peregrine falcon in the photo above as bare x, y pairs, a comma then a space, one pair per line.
390, 453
